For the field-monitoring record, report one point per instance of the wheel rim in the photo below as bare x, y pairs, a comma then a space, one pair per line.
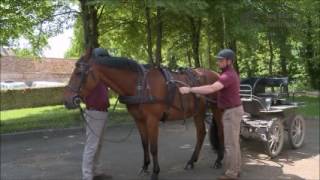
275, 139
297, 131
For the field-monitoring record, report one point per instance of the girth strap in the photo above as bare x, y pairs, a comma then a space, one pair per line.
195, 81
142, 90
171, 87
130, 100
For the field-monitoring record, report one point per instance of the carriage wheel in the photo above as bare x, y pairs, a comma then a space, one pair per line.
275, 139
297, 131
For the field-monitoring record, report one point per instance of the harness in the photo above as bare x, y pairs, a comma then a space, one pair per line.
143, 95
143, 92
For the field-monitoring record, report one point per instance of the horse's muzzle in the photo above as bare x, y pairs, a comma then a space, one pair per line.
72, 103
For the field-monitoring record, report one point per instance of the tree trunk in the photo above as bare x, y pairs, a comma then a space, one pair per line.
271, 54
283, 57
195, 38
233, 45
312, 67
224, 30
90, 24
189, 58
210, 63
149, 35
159, 37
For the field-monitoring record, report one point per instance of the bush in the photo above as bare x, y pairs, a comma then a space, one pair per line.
15, 99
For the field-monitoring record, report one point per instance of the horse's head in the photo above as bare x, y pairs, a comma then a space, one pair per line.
83, 79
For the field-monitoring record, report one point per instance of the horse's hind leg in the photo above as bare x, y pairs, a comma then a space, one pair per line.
141, 124
201, 132
218, 136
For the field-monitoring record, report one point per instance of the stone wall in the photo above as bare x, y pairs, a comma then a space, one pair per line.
28, 69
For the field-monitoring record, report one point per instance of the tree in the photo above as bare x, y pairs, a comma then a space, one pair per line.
269, 37
34, 20
90, 14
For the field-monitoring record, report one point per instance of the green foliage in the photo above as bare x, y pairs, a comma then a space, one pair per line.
23, 52
23, 98
311, 107
77, 41
34, 20
283, 33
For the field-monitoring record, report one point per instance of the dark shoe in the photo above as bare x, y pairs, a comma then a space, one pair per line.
239, 174
102, 177
226, 177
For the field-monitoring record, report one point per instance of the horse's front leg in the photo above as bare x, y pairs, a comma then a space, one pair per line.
153, 132
141, 124
201, 132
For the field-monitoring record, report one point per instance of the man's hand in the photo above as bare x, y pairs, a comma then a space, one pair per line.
185, 90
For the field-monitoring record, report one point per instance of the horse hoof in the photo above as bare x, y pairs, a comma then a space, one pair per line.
217, 165
189, 166
154, 177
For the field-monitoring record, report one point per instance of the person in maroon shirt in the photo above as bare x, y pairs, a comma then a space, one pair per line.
96, 115
228, 87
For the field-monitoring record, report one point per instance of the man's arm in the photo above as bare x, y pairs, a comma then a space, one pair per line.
207, 89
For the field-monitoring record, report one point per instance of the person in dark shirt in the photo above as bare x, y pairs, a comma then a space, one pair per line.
96, 115
228, 87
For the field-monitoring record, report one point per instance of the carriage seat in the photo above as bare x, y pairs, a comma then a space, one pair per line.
254, 105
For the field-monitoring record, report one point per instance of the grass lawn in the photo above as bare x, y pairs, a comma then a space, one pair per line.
311, 108
51, 117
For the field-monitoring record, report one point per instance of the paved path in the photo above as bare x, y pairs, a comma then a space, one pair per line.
53, 156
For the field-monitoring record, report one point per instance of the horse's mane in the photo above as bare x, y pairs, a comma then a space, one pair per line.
101, 56
118, 63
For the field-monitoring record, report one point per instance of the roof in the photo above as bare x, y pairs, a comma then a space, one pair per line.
265, 81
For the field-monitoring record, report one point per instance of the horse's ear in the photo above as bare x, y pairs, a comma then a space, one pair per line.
88, 53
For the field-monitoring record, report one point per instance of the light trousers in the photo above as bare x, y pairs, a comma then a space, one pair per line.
231, 128
96, 121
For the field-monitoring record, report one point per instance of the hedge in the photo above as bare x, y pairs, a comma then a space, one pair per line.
35, 97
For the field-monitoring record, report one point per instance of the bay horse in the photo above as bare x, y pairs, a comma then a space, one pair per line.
148, 99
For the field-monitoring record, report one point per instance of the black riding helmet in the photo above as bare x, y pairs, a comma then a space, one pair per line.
226, 53
100, 52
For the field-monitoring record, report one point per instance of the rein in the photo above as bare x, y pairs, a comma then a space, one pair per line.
125, 138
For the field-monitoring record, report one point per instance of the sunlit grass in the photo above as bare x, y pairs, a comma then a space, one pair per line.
51, 117
311, 106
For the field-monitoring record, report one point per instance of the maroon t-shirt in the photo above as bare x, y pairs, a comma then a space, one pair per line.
98, 99
229, 95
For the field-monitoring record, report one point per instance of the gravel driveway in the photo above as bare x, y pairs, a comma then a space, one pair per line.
57, 155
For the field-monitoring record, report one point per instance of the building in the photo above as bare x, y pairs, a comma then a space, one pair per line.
32, 69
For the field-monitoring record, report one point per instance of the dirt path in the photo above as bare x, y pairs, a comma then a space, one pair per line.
58, 156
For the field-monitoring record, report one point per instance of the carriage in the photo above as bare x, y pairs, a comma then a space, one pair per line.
270, 111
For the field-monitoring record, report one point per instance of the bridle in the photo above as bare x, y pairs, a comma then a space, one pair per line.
84, 69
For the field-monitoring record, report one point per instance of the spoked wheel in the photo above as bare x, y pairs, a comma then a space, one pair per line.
297, 131
275, 139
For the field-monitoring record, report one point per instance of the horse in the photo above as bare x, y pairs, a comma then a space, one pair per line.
151, 95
